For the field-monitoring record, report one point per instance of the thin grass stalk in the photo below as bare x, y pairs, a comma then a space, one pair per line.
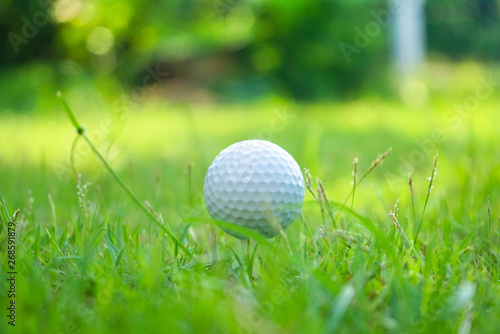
121, 183
429, 190
412, 198
394, 216
5, 211
489, 216
375, 163
354, 175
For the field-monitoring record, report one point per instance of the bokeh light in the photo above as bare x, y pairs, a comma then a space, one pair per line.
100, 41
65, 10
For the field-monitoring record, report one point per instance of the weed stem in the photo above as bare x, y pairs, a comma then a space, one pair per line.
118, 180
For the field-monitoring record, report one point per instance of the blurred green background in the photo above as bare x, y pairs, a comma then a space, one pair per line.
163, 86
220, 51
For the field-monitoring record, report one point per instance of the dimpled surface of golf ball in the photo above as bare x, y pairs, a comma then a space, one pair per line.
255, 184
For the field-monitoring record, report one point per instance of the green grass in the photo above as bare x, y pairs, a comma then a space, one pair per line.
95, 262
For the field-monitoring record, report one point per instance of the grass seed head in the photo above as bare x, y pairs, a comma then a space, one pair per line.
321, 191
308, 180
355, 168
81, 192
380, 159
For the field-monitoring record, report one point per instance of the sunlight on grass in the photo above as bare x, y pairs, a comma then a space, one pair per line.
103, 249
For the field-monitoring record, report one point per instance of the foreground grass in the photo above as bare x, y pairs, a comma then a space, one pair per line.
88, 260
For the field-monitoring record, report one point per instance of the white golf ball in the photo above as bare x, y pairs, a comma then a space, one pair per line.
255, 184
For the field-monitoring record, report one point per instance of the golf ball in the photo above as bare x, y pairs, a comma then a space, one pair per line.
254, 184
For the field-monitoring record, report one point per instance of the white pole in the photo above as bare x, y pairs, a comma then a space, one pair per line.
408, 35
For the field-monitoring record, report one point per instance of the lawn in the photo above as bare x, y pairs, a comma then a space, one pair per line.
89, 260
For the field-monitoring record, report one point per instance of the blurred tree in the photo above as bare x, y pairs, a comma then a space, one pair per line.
464, 29
287, 46
304, 49
26, 32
